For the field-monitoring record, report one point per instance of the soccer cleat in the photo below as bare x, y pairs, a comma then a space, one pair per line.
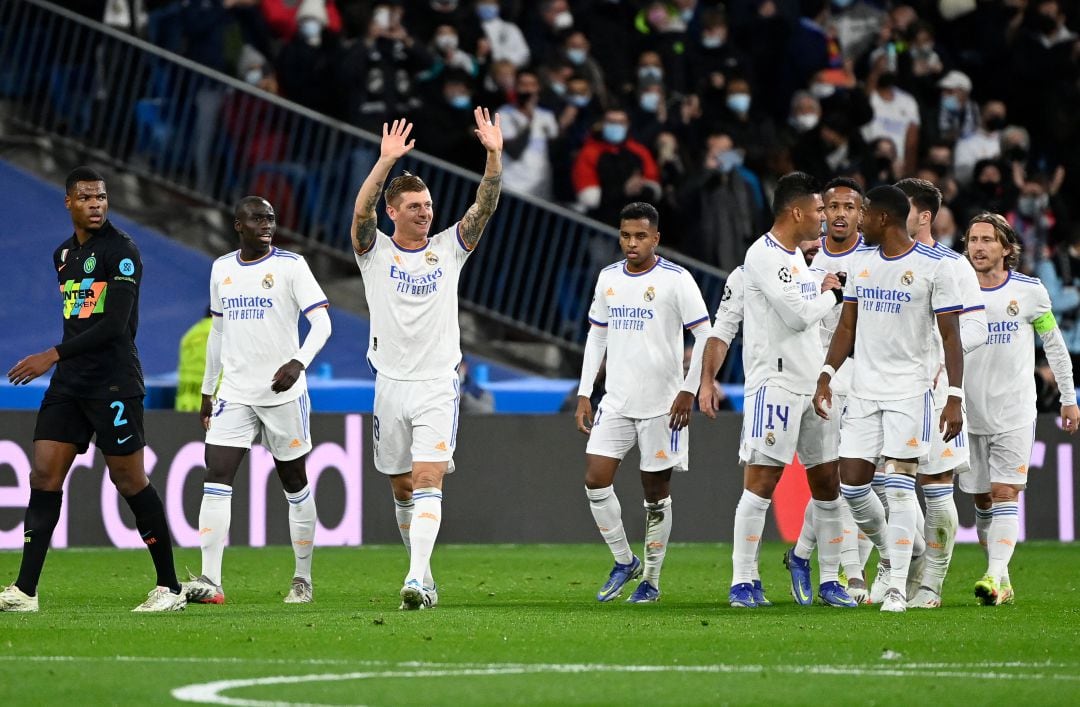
645, 593
915, 574
800, 578
894, 602
742, 596
200, 590
161, 599
759, 594
620, 575
431, 596
412, 596
924, 598
15, 599
1005, 592
987, 591
834, 594
300, 592
880, 585
856, 589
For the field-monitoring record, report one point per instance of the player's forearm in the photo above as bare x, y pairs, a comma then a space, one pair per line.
1057, 355
693, 376
316, 338
212, 371
949, 325
712, 357
595, 346
487, 198
364, 217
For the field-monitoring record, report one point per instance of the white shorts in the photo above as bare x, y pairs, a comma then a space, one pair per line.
778, 423
1000, 458
946, 456
660, 446
414, 421
283, 429
894, 429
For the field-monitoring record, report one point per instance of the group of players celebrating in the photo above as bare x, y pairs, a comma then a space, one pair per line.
855, 352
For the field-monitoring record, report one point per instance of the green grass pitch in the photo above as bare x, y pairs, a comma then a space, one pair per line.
520, 625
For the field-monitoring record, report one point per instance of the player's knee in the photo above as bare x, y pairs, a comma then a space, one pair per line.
945, 477
293, 477
907, 468
217, 475
46, 479
1003, 493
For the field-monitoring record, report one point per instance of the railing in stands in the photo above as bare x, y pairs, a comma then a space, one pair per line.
215, 138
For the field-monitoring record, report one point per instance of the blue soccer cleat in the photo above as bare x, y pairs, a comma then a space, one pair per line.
742, 596
759, 594
645, 593
834, 594
620, 575
800, 578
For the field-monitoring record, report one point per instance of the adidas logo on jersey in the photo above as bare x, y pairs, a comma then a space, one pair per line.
610, 292
1022, 469
294, 444
228, 281
864, 273
913, 442
947, 452
441, 446
661, 454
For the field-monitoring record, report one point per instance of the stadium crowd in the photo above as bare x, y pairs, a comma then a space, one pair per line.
694, 106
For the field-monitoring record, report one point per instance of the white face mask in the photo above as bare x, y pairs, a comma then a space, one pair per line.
563, 20
805, 122
822, 90
446, 42
712, 41
311, 30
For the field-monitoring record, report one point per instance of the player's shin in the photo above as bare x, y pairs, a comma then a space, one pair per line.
154, 530
1002, 537
607, 512
850, 555
807, 541
868, 514
427, 518
215, 517
302, 517
942, 522
830, 530
657, 533
903, 515
749, 525
42, 515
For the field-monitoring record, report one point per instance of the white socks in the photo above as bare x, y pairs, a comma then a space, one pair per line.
850, 555
940, 532
903, 516
423, 529
403, 511
215, 516
807, 541
302, 516
829, 528
869, 514
982, 524
749, 525
1002, 537
607, 513
657, 532
878, 484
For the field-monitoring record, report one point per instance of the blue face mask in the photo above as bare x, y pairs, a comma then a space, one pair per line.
649, 102
460, 101
843, 3
729, 160
614, 132
950, 103
739, 102
576, 56
487, 12
578, 100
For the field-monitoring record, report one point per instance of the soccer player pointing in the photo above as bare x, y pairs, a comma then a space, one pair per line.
896, 289
411, 282
1001, 394
639, 310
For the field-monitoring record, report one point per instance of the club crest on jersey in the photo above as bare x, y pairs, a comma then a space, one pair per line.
268, 281
650, 294
770, 439
1013, 309
431, 258
784, 274
907, 278
89, 265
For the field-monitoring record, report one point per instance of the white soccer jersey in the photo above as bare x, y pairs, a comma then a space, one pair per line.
967, 285
834, 263
260, 303
729, 314
898, 299
999, 380
645, 314
412, 296
781, 324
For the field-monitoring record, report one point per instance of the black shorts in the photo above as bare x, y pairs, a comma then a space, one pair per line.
118, 424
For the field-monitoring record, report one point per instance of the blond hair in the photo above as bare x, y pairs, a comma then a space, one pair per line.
399, 185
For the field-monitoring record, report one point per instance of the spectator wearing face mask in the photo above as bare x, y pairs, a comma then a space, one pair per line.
580, 113
955, 116
283, 16
1037, 217
832, 147
255, 138
547, 29
713, 51
306, 64
921, 67
505, 41
989, 190
528, 130
752, 130
447, 128
613, 169
447, 55
576, 50
879, 166
983, 144
805, 113
649, 116
659, 27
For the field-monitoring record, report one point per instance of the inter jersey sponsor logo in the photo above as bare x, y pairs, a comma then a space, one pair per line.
83, 297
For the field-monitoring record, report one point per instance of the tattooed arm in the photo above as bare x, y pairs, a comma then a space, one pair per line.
394, 146
487, 195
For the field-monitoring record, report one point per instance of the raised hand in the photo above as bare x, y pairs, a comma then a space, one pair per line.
489, 132
394, 143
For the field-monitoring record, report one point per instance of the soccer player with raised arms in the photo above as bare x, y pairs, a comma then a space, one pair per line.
896, 292
1001, 394
411, 282
257, 294
784, 304
639, 311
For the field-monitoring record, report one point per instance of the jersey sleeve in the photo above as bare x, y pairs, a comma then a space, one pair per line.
598, 311
774, 279
368, 257
461, 250
123, 266
944, 295
730, 312
305, 288
970, 292
693, 311
215, 294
